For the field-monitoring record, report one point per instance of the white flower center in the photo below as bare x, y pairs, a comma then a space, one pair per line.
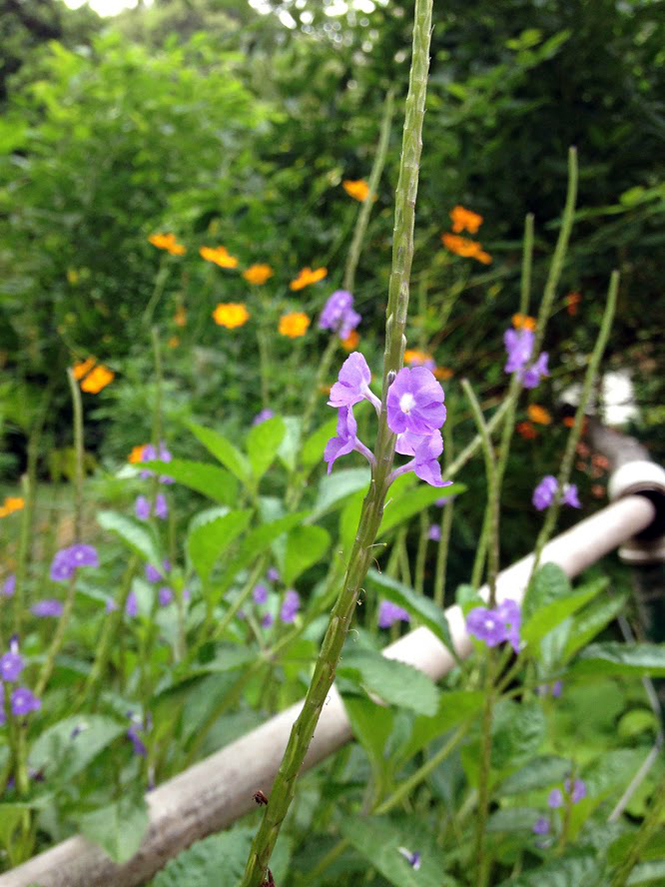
489, 624
407, 402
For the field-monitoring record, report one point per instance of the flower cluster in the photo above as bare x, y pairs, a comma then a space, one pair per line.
544, 494
465, 220
22, 700
144, 509
92, 376
414, 412
11, 504
167, 242
519, 346
150, 454
218, 255
573, 792
338, 314
497, 625
306, 277
68, 560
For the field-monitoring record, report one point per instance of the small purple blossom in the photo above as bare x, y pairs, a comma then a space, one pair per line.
557, 688
519, 346
541, 826
161, 507
67, 560
142, 508
532, 375
11, 666
260, 594
131, 605
137, 743
544, 494
164, 596
338, 314
553, 689
152, 574
352, 384
273, 574
415, 402
110, 605
267, 620
426, 450
23, 701
263, 416
389, 613
498, 625
48, 607
149, 454
434, 533
555, 798
570, 496
578, 789
9, 585
509, 611
414, 859
290, 606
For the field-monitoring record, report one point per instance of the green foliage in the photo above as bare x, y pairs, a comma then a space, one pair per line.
119, 827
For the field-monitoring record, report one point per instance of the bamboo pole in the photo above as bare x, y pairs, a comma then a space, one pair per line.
212, 794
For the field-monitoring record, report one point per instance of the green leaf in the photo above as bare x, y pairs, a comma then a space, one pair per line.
372, 726
312, 451
263, 441
119, 827
349, 520
549, 584
288, 448
644, 873
211, 481
455, 707
304, 547
571, 871
61, 753
416, 604
403, 507
334, 488
615, 658
134, 533
379, 840
591, 621
395, 682
210, 534
541, 772
223, 450
10, 817
549, 615
518, 730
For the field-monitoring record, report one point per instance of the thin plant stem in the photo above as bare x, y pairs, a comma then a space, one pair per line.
421, 554
446, 524
78, 449
482, 855
158, 289
372, 509
576, 431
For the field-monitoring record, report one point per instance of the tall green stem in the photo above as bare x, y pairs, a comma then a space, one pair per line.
372, 510
650, 825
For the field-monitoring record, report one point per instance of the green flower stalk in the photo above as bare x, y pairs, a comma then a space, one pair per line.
283, 789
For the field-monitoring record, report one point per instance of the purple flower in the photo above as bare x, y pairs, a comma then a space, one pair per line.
554, 689
519, 345
24, 701
509, 611
273, 574
11, 666
131, 605
67, 560
557, 687
152, 574
352, 384
412, 858
149, 454
555, 798
570, 496
434, 533
138, 744
338, 314
142, 508
260, 594
267, 620
9, 585
415, 402
541, 826
390, 613
543, 495
426, 449
442, 501
263, 416
497, 625
110, 605
165, 596
161, 507
532, 375
578, 789
48, 607
290, 606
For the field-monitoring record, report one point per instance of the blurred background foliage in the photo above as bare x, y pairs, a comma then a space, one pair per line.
229, 124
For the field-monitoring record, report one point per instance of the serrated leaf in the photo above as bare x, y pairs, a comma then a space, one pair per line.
416, 604
591, 622
401, 508
211, 481
67, 747
541, 772
396, 683
614, 658
334, 488
207, 539
135, 534
119, 827
549, 584
263, 441
304, 547
518, 730
548, 616
223, 450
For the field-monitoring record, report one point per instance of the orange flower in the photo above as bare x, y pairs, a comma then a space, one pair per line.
539, 414
524, 322
597, 491
351, 341
97, 379
359, 189
219, 255
443, 373
174, 341
167, 242
180, 316
307, 276
293, 325
136, 454
572, 301
11, 504
467, 249
464, 219
418, 358
83, 367
230, 314
257, 274
569, 421
526, 430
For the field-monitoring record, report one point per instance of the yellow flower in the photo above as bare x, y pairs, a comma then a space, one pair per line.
258, 274
307, 276
180, 316
97, 379
219, 255
468, 249
167, 242
351, 341
136, 454
465, 220
293, 325
539, 414
230, 314
11, 504
524, 322
359, 189
83, 367
416, 357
